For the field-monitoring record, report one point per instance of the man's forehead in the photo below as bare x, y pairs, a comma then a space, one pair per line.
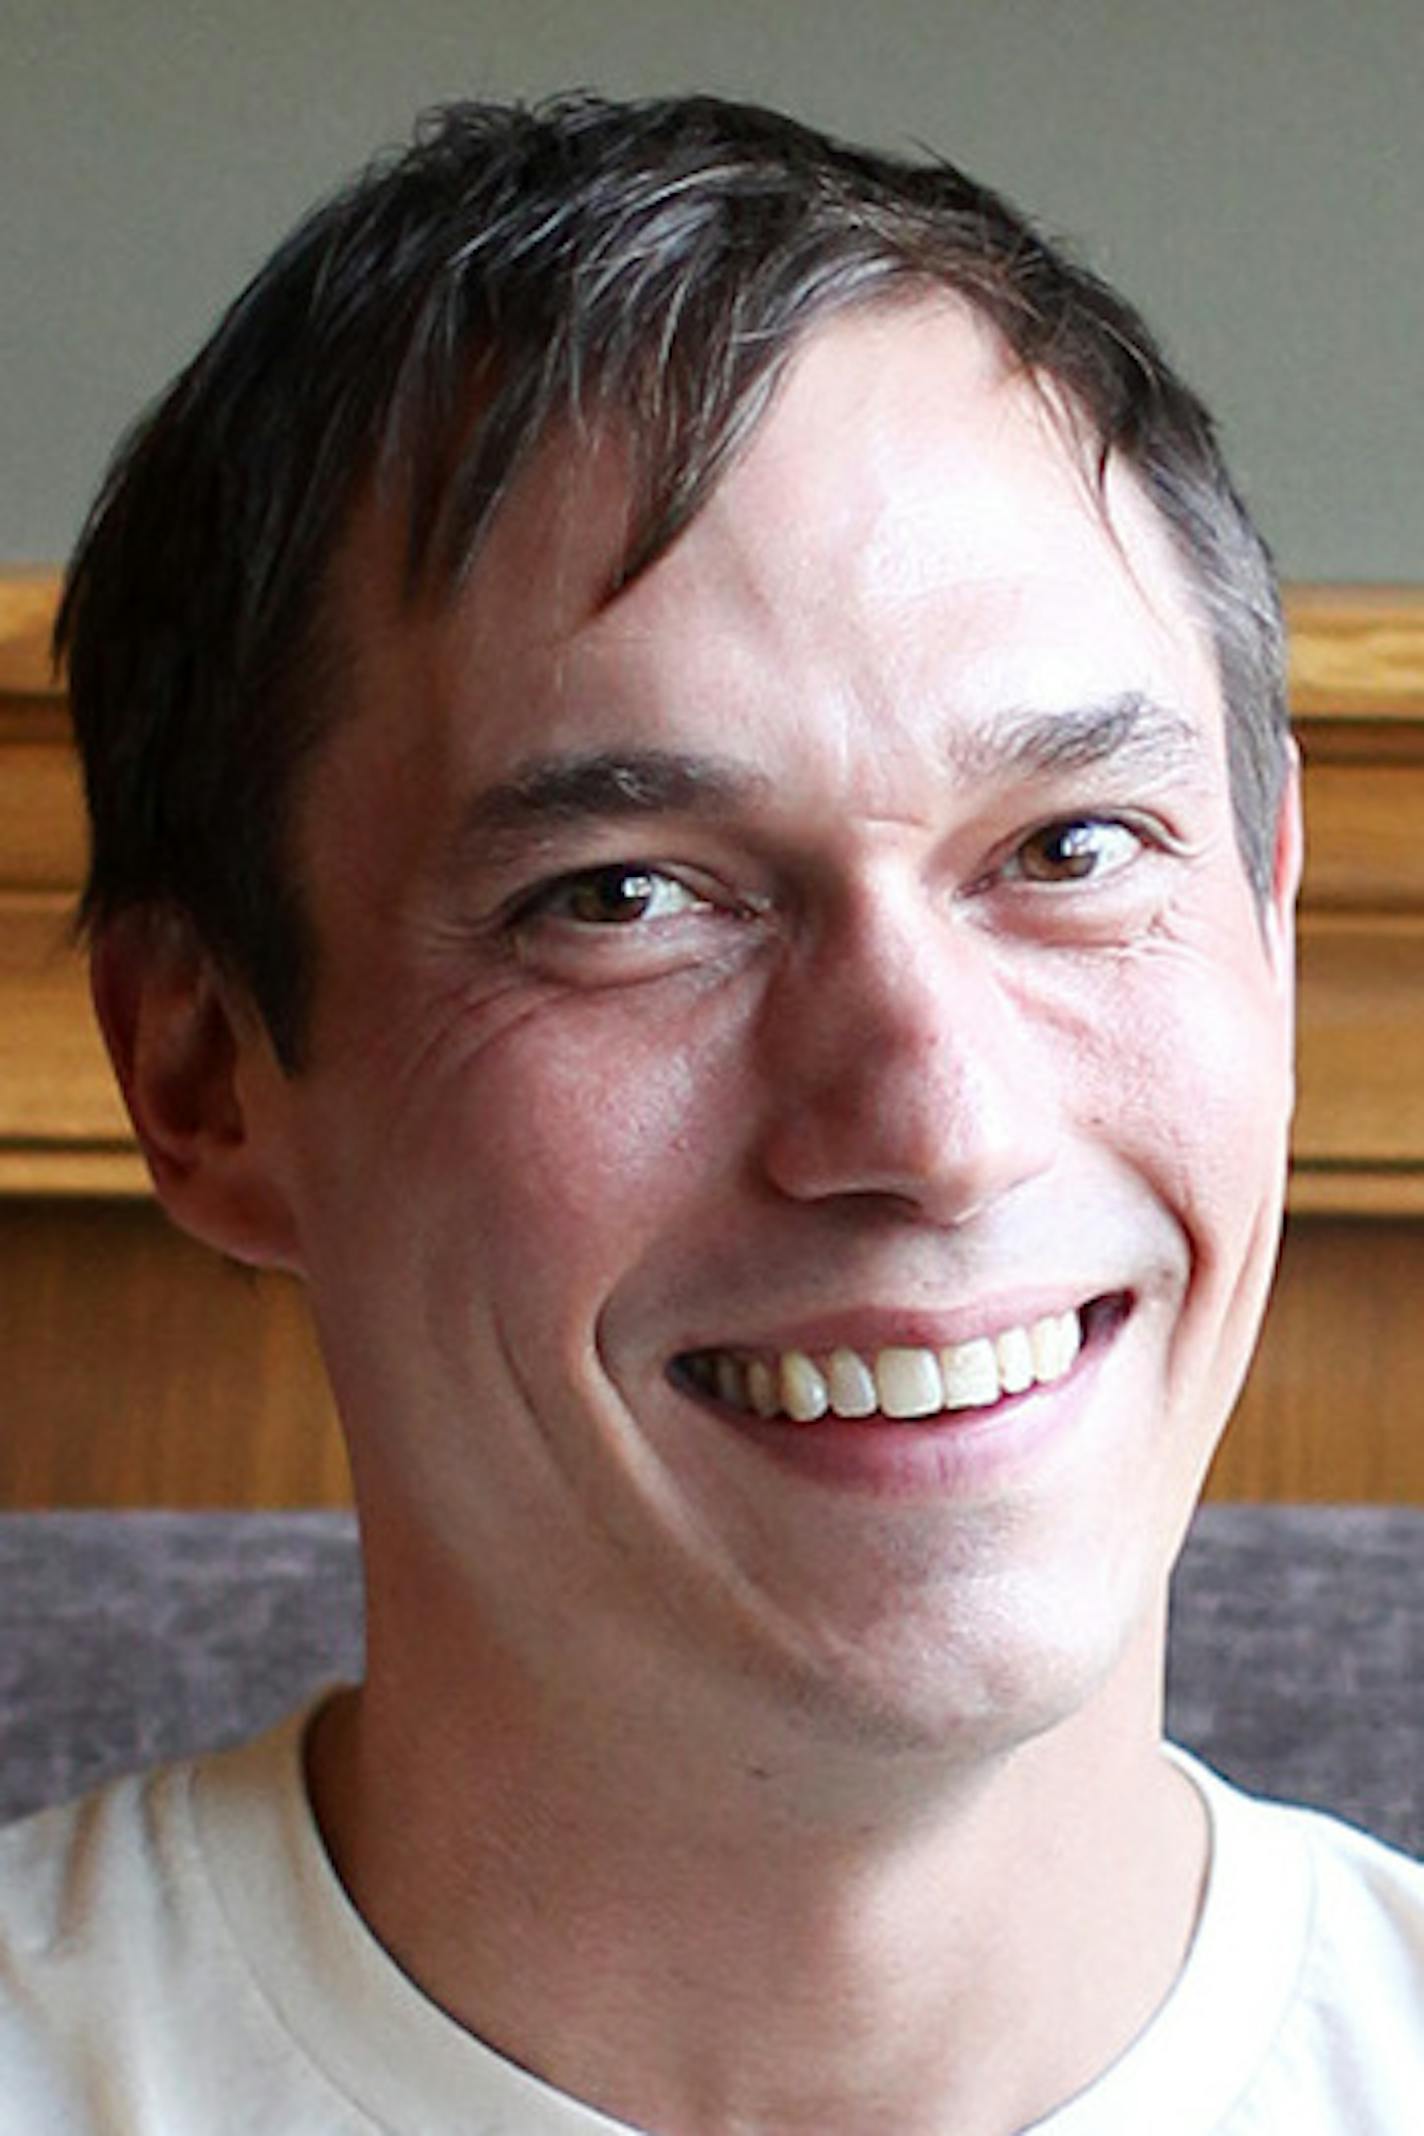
574, 498
550, 555
902, 460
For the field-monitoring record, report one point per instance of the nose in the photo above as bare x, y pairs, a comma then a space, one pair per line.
901, 1066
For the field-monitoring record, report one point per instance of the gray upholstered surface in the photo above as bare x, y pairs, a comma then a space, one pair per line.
1297, 1657
127, 1638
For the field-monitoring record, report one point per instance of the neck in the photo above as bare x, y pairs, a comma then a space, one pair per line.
703, 1943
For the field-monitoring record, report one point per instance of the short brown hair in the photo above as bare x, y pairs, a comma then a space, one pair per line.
657, 262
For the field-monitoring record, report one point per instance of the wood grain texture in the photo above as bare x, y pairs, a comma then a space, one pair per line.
42, 838
1357, 652
28, 598
56, 1090
1364, 834
1361, 1048
1332, 1409
142, 1370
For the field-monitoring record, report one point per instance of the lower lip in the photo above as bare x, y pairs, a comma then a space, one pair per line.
961, 1453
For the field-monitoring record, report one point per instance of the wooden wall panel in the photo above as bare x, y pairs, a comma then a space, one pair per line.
1332, 1409
140, 1369
54, 1076
41, 813
1361, 1091
1364, 849
1356, 651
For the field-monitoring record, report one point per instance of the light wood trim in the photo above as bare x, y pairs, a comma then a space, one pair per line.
1361, 1050
55, 1084
1364, 851
28, 598
1357, 652
53, 1171
1392, 1192
43, 839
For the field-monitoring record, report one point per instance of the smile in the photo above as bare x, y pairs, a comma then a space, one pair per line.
901, 1382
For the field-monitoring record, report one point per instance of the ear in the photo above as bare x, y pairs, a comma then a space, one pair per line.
194, 1064
1289, 857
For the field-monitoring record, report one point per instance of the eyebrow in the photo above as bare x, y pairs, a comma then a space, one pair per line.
1133, 730
551, 794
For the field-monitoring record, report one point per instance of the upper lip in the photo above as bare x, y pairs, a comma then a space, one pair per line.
869, 1329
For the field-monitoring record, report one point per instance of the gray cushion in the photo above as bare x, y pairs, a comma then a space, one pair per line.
1296, 1661
126, 1638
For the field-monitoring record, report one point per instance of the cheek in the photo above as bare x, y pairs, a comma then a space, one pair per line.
1190, 1086
1176, 1055
507, 1189
583, 1133
1213, 1103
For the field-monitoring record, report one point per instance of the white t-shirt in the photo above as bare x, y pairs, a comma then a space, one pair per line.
177, 1958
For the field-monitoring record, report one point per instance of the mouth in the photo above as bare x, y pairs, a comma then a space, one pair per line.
902, 1382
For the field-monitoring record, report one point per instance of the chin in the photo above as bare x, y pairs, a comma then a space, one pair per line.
971, 1686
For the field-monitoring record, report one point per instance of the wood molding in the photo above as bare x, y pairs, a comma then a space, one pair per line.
28, 598
1357, 652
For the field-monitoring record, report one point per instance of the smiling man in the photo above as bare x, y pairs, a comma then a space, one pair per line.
693, 824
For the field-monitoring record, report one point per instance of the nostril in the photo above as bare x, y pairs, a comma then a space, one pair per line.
906, 1151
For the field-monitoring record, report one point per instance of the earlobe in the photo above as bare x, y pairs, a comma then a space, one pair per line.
185, 1054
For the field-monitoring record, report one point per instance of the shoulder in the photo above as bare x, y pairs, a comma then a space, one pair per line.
1340, 1916
1367, 1924
80, 1906
118, 1973
1358, 1885
68, 1876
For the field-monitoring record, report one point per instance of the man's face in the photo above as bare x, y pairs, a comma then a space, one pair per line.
835, 946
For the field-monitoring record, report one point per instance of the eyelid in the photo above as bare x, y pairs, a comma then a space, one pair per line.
1146, 832
529, 905
616, 872
1065, 826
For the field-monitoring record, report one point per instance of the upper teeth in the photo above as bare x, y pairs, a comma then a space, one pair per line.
901, 1382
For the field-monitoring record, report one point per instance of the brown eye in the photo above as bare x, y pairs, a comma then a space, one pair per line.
608, 894
1073, 852
615, 896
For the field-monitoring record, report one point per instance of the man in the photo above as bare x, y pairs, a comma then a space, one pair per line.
693, 824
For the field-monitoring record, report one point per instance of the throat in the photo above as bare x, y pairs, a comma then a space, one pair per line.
870, 1980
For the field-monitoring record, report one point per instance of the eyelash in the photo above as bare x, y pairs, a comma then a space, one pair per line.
1064, 828
544, 903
